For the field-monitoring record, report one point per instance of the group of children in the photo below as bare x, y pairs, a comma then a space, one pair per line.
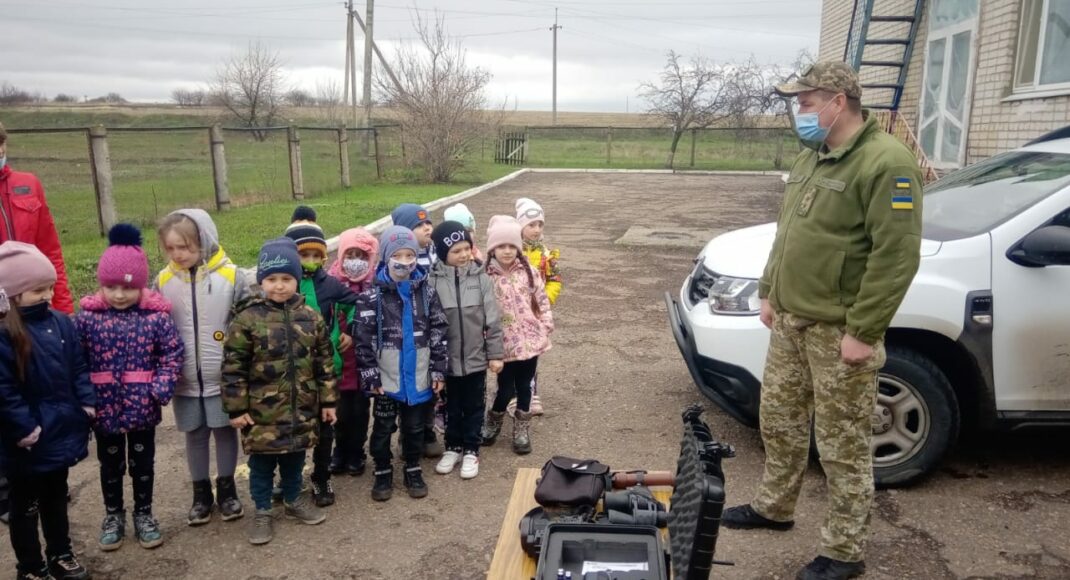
306, 357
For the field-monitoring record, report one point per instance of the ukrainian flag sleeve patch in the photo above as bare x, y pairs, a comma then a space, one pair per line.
903, 195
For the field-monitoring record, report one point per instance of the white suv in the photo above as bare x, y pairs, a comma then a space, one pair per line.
981, 339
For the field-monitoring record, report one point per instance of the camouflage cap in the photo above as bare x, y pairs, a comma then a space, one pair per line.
829, 75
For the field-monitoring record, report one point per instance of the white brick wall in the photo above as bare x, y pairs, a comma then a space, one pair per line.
994, 125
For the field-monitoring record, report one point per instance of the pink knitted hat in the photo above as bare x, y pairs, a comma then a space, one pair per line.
124, 262
23, 267
503, 230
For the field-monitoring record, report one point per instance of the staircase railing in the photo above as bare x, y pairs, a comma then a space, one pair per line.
894, 124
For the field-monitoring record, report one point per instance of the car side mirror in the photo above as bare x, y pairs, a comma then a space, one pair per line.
1047, 246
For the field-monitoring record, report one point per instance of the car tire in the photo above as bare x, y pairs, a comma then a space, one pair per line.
913, 390
915, 421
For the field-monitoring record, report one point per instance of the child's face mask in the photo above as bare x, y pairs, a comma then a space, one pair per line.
355, 267
400, 269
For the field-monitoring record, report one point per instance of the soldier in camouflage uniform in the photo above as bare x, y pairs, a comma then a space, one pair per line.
278, 382
846, 250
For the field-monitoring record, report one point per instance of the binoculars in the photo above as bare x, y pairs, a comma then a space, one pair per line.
635, 506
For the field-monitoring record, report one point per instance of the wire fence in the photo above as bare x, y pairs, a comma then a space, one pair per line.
144, 173
719, 148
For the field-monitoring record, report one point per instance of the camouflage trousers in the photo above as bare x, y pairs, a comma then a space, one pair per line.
804, 377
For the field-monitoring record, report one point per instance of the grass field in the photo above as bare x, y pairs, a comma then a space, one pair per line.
155, 172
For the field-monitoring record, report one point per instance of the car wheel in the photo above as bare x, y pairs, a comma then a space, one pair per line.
915, 421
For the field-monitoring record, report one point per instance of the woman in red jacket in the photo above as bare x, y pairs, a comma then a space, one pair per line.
25, 217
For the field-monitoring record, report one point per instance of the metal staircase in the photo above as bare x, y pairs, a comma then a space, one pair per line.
883, 68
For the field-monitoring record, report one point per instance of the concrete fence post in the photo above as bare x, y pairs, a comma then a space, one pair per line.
297, 182
100, 165
219, 168
343, 155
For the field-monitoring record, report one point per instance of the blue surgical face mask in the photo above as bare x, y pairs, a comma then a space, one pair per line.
3, 162
808, 126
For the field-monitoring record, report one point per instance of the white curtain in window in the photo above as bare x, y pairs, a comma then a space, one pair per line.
1055, 66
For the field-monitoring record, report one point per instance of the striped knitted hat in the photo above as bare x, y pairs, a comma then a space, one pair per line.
305, 232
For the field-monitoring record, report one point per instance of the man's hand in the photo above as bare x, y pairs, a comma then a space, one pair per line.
241, 422
437, 386
329, 415
854, 351
345, 342
495, 366
31, 439
379, 391
767, 313
92, 412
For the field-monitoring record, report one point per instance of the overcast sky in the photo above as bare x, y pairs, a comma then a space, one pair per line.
143, 49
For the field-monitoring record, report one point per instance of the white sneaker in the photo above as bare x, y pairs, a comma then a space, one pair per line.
448, 462
469, 466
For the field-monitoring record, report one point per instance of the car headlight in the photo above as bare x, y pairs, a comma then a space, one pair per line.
739, 296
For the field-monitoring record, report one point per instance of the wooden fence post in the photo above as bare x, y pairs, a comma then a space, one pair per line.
297, 181
100, 165
609, 145
778, 163
219, 168
378, 157
401, 137
693, 131
343, 155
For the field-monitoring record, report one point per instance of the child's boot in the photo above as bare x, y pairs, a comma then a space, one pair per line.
414, 481
148, 530
261, 527
492, 426
322, 491
522, 432
304, 511
112, 531
201, 511
67, 567
384, 483
227, 496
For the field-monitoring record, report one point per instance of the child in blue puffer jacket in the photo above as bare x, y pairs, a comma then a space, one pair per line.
46, 406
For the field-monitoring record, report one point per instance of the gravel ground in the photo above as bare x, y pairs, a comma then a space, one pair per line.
614, 386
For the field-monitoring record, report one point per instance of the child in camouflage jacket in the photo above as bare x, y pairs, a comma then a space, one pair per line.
278, 382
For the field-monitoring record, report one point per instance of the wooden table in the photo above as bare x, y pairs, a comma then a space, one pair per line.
510, 561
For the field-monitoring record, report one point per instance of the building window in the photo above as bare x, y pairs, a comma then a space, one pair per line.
1043, 45
950, 57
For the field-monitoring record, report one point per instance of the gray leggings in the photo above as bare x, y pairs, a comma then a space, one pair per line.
226, 451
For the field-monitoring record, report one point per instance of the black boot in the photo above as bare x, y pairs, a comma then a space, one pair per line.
384, 483
322, 491
230, 507
822, 568
414, 481
743, 517
201, 511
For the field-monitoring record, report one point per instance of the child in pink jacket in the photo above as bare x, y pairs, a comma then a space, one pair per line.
526, 327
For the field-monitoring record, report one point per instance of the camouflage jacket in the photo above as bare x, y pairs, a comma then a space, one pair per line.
278, 367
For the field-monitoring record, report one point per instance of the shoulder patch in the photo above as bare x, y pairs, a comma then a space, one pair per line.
902, 194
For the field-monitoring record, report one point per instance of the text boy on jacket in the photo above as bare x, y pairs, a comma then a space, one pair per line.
400, 334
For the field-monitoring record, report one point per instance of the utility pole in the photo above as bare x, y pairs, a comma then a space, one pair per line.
554, 28
349, 51
369, 49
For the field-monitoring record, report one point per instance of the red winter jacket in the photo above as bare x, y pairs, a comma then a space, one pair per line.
25, 217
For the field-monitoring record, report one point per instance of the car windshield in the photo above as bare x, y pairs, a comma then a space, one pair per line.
976, 199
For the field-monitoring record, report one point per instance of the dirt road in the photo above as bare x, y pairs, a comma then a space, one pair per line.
614, 386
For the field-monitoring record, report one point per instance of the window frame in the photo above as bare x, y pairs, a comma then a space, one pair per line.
948, 33
1034, 87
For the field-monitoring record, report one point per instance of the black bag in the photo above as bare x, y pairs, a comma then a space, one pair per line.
571, 482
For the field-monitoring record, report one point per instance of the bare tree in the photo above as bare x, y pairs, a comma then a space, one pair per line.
250, 86
688, 95
189, 97
439, 98
299, 98
329, 100
12, 95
